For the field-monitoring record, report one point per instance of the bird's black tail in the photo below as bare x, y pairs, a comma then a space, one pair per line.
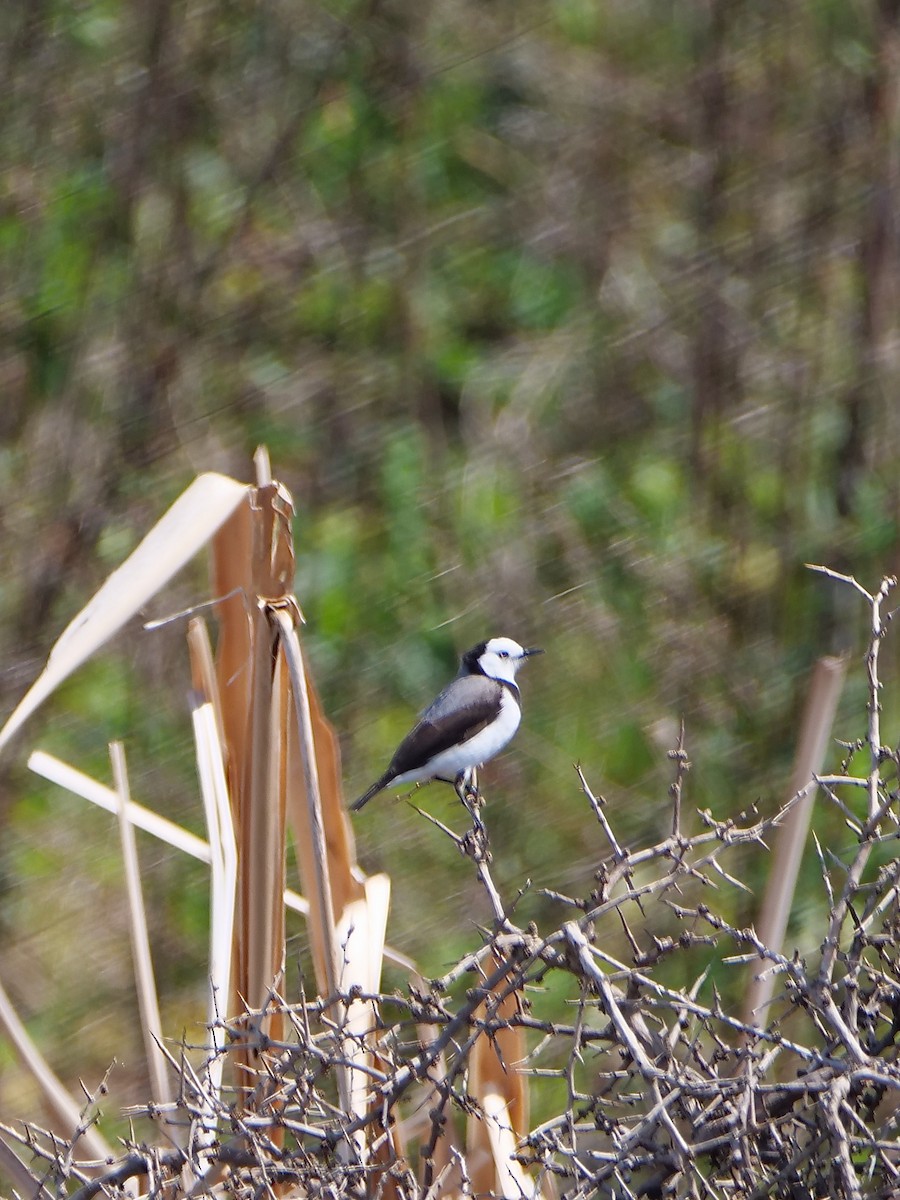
378, 786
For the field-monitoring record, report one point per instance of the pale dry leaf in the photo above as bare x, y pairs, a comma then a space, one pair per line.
178, 535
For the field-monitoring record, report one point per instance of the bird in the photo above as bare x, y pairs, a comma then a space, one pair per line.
471, 720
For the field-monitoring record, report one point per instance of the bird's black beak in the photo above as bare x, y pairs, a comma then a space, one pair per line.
532, 650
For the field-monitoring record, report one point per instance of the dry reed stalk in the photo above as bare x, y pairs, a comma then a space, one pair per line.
501, 1090
223, 893
253, 560
812, 743
148, 1002
64, 1114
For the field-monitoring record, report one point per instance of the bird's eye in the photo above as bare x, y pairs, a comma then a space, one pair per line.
504, 654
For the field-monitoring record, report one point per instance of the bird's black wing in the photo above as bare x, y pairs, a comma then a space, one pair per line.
464, 708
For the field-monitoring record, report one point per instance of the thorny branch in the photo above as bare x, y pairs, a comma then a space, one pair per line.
666, 1091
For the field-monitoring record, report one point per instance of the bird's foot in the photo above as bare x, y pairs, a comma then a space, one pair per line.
468, 791
472, 801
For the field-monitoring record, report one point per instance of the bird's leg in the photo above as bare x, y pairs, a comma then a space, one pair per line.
473, 802
466, 785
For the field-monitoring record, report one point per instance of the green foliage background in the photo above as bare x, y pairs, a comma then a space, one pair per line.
574, 321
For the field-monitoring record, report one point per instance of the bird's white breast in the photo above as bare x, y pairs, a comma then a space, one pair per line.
477, 750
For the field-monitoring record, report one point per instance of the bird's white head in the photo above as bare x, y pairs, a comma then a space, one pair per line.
498, 658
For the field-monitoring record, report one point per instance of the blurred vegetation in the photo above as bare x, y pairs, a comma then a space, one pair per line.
575, 322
